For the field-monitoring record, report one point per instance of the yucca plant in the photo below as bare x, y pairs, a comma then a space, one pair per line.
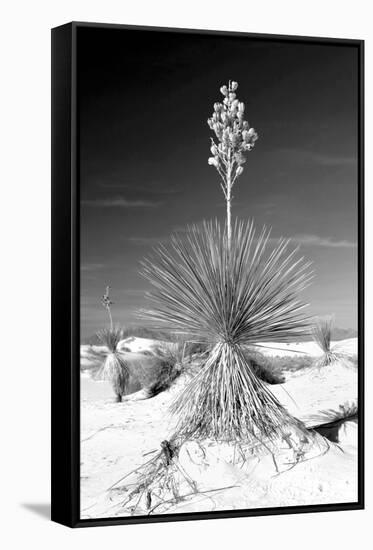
113, 368
232, 297
222, 284
322, 335
227, 288
109, 362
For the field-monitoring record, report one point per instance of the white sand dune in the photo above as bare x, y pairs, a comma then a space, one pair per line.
117, 438
131, 344
317, 396
309, 348
136, 344
327, 474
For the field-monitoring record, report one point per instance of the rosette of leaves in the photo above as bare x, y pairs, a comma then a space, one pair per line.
113, 366
230, 298
322, 335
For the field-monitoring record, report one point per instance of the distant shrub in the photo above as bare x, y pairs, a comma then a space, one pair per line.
113, 368
92, 340
322, 334
273, 369
167, 374
292, 363
196, 348
166, 367
263, 367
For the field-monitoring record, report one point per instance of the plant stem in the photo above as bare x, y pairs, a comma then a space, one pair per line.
110, 317
229, 198
229, 223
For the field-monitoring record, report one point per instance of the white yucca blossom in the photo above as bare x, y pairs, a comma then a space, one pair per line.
235, 138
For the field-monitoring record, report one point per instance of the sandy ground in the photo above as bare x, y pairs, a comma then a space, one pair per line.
117, 438
311, 348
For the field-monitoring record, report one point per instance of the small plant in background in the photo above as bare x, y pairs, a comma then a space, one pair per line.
322, 335
171, 363
290, 364
197, 349
114, 368
264, 368
111, 363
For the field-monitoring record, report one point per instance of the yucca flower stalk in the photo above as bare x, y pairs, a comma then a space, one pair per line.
107, 303
235, 138
322, 335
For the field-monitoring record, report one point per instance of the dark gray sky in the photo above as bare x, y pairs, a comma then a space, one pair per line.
144, 99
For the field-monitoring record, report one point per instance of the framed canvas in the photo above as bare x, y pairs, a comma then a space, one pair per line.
207, 275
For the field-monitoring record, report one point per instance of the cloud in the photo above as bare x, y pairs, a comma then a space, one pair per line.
301, 238
89, 267
332, 160
120, 202
314, 157
266, 205
145, 241
179, 230
185, 228
315, 240
134, 292
152, 187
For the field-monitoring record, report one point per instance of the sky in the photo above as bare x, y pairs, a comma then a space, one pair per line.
144, 98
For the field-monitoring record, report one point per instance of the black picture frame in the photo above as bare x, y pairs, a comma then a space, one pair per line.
66, 285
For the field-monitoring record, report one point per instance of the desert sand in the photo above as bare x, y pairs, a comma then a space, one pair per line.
118, 438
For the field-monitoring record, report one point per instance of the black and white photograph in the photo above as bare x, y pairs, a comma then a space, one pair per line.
219, 243
185, 268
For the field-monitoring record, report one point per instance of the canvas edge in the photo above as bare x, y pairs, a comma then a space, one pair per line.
64, 288
66, 387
